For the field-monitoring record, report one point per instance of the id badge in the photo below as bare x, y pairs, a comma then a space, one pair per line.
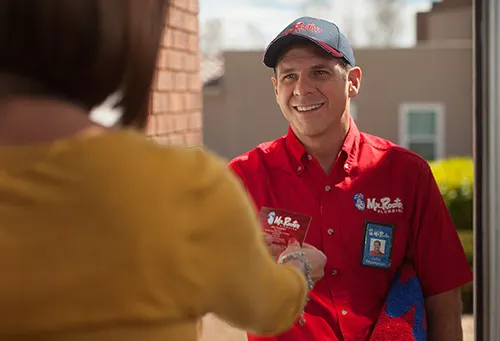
377, 245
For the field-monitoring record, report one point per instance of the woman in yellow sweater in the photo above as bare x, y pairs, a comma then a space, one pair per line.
105, 235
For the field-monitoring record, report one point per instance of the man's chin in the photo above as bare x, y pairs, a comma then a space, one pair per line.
309, 132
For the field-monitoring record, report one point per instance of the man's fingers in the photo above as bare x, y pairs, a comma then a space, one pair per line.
268, 239
293, 245
275, 249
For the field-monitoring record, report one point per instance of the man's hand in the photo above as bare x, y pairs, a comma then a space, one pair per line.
316, 258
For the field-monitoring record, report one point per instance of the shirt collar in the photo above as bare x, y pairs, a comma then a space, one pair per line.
348, 154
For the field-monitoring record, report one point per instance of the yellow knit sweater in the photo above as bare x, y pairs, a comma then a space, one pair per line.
117, 238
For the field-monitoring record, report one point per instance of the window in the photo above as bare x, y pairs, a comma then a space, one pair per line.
353, 110
421, 129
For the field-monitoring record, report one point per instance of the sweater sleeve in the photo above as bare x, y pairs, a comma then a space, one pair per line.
243, 285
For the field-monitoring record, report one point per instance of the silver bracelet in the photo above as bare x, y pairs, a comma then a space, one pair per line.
301, 257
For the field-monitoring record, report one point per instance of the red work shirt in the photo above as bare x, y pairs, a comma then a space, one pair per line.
375, 191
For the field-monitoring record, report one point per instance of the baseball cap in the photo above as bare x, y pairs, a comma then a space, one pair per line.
323, 33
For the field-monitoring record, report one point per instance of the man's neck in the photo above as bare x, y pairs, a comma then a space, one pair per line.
325, 148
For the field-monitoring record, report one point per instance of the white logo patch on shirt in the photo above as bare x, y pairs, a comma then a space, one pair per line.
385, 205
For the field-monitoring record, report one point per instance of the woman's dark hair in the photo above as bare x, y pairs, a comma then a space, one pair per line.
82, 51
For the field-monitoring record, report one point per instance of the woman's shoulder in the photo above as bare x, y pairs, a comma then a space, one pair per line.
132, 157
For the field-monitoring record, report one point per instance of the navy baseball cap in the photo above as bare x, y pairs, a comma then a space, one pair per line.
323, 33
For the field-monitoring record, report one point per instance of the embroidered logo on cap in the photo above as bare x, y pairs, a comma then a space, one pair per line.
300, 27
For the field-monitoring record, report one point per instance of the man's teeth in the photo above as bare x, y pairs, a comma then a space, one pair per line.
310, 107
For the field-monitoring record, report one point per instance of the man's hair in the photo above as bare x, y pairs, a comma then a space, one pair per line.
82, 51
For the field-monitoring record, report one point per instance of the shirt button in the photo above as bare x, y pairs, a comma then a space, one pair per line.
346, 166
299, 168
344, 312
309, 157
327, 188
334, 272
331, 231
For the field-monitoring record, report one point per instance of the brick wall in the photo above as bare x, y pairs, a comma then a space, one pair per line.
176, 109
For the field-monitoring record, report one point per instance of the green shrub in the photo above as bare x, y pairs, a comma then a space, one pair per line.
455, 178
467, 238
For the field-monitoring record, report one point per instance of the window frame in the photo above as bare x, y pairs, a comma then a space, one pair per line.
438, 138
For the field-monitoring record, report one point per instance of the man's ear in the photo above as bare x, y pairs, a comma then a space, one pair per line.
275, 85
354, 81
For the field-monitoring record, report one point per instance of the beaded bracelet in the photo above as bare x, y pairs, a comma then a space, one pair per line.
300, 256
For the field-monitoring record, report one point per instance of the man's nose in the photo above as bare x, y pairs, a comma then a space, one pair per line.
303, 86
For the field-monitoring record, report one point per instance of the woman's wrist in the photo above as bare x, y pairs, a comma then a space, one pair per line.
297, 264
299, 260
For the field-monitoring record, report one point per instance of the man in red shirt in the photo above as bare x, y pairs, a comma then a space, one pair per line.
357, 188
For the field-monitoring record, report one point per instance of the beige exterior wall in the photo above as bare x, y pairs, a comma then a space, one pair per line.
418, 76
450, 24
176, 110
242, 111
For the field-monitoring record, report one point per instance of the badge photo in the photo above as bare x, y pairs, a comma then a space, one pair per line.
377, 245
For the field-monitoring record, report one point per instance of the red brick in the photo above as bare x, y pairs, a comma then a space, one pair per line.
175, 60
165, 124
193, 44
168, 38
195, 121
191, 23
151, 125
181, 81
194, 6
193, 101
160, 102
162, 61
194, 82
176, 139
175, 102
194, 139
163, 139
181, 40
165, 80
173, 16
180, 4
191, 62
177, 18
181, 122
